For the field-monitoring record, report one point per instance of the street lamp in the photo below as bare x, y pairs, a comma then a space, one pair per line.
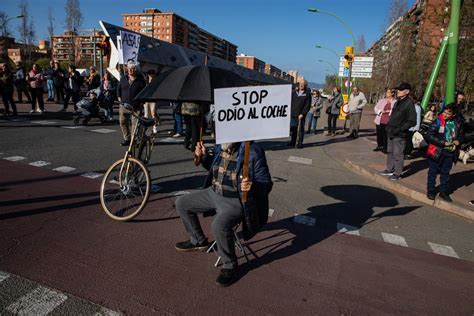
9, 19
329, 49
338, 18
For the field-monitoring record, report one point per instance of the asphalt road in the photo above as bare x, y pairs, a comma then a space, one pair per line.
66, 236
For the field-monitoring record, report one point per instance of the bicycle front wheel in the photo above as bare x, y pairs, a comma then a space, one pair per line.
125, 189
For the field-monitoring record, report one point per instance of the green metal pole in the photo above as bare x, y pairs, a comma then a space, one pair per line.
435, 72
452, 50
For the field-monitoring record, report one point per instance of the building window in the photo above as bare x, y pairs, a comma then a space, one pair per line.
167, 37
167, 30
167, 23
128, 18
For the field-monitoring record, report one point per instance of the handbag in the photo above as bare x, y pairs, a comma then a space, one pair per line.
190, 108
328, 110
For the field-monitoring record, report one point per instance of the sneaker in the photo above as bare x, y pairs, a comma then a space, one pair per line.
226, 277
386, 173
188, 246
471, 202
39, 111
155, 129
394, 177
177, 135
32, 111
445, 196
431, 196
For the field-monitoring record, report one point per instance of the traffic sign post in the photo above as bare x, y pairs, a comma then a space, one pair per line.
361, 67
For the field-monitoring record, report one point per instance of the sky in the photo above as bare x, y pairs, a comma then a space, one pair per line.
280, 32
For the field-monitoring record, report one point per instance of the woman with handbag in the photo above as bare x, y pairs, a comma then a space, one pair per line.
35, 79
382, 110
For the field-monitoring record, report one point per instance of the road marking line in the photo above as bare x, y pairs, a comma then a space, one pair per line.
39, 163
270, 212
171, 140
443, 250
40, 301
43, 122
72, 127
394, 239
91, 175
347, 229
181, 193
64, 169
305, 161
3, 276
305, 220
14, 158
103, 130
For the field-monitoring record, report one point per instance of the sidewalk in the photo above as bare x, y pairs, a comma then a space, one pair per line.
357, 155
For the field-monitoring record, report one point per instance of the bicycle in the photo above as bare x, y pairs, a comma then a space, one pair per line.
125, 187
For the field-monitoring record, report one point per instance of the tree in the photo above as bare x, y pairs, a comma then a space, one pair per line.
3, 22
360, 45
73, 24
50, 25
397, 9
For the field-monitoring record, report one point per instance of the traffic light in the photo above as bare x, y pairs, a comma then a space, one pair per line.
349, 56
104, 44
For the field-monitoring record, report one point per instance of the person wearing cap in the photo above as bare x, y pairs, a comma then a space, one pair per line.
128, 88
402, 118
21, 85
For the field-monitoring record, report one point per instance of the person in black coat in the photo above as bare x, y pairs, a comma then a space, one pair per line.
402, 118
6, 89
73, 87
59, 79
300, 105
128, 88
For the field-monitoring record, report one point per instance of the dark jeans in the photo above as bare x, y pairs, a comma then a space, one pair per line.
7, 97
332, 119
442, 167
382, 136
70, 94
178, 123
20, 89
59, 93
37, 97
409, 143
229, 213
297, 131
192, 131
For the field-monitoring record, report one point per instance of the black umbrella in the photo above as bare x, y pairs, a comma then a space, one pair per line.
190, 83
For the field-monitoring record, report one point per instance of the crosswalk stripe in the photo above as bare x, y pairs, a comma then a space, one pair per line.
64, 169
443, 250
91, 175
347, 229
14, 158
43, 122
305, 161
3, 276
72, 127
171, 140
305, 220
40, 301
394, 239
39, 163
103, 130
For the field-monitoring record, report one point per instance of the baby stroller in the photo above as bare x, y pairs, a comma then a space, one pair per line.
90, 107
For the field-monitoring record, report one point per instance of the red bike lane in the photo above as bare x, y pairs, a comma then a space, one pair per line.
54, 232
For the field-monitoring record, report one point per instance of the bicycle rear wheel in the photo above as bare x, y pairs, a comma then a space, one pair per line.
144, 150
125, 189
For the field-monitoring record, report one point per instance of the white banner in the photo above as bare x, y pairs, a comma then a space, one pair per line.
130, 45
252, 113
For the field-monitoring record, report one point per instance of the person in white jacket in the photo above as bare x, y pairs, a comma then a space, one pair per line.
357, 101
382, 110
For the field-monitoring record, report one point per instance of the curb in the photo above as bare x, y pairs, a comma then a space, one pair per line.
415, 195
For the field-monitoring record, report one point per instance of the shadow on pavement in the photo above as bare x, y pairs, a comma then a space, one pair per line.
284, 238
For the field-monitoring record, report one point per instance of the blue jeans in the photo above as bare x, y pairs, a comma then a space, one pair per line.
178, 123
442, 167
312, 122
50, 84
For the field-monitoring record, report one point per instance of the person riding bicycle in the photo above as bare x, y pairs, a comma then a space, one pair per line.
223, 191
128, 88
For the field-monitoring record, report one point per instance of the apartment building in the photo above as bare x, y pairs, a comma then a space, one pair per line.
172, 28
79, 48
250, 62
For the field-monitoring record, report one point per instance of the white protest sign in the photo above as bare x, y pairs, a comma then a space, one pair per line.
252, 113
130, 45
120, 50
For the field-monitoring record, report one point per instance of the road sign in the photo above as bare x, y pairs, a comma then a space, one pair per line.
346, 83
361, 67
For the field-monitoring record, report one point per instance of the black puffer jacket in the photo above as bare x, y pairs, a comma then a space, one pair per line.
403, 117
128, 92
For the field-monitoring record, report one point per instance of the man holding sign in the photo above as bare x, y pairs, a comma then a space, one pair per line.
238, 182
